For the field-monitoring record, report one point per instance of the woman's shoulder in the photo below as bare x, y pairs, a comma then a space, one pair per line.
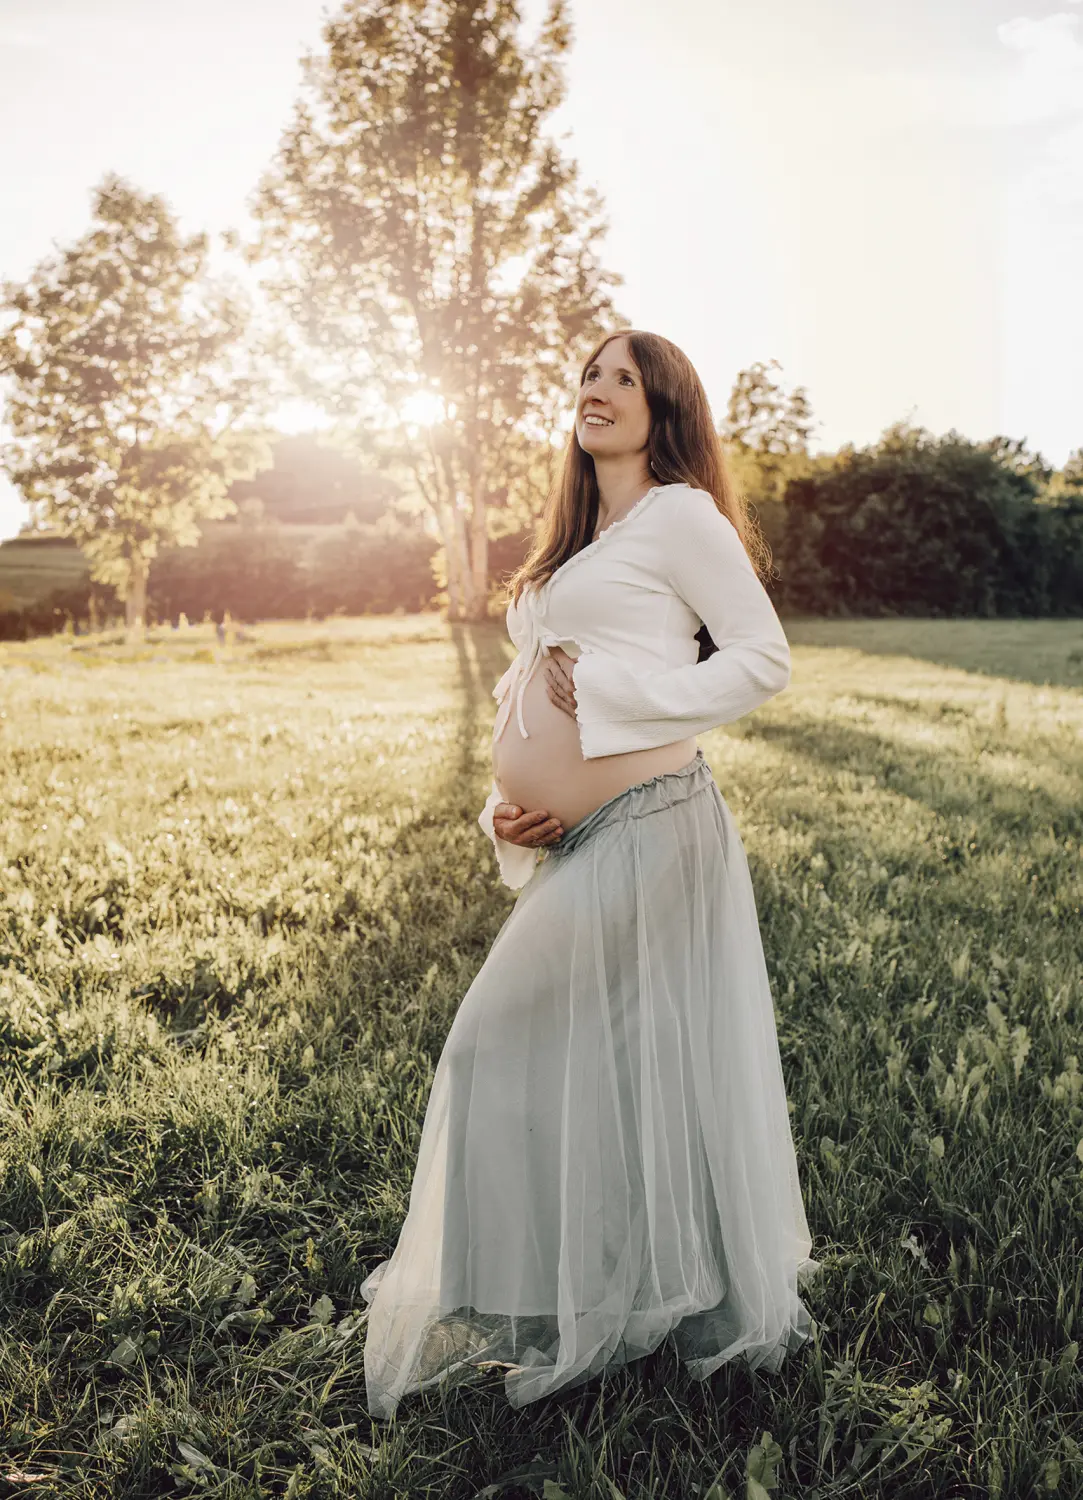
698, 540
683, 495
685, 512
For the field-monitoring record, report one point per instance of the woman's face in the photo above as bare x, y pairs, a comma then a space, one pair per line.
613, 389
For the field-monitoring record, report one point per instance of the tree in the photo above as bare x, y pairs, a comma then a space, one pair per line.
435, 254
924, 525
1013, 454
767, 432
126, 390
1067, 482
762, 417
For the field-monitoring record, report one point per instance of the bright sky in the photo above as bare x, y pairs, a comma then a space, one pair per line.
886, 197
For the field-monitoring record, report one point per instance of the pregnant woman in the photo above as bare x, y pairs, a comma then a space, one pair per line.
606, 1159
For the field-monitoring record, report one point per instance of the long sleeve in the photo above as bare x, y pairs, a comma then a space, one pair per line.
516, 862
705, 563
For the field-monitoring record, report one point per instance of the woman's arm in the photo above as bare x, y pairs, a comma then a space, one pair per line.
516, 861
705, 563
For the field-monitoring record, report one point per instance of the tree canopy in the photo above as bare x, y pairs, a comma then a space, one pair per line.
127, 394
434, 252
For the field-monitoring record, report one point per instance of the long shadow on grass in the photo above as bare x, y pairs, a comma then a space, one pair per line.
1045, 653
948, 786
481, 658
446, 845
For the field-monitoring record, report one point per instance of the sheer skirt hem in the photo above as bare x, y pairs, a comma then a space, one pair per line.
460, 1346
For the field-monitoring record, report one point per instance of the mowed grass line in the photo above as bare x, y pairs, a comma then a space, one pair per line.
242, 892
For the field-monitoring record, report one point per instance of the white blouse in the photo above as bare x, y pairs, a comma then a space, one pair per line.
627, 607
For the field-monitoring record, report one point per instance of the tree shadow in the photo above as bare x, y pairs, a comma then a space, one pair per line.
455, 792
482, 655
948, 785
454, 796
1045, 653
927, 711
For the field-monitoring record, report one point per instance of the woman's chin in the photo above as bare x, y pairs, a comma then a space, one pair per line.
606, 448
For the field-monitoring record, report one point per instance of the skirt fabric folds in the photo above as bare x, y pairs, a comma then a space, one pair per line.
606, 1158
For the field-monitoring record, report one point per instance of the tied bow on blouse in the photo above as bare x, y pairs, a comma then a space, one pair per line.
539, 638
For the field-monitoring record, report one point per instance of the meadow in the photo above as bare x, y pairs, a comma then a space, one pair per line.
30, 570
242, 892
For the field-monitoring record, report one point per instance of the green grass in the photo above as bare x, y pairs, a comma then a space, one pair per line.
30, 570
242, 891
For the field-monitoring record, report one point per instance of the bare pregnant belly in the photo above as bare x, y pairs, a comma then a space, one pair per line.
547, 772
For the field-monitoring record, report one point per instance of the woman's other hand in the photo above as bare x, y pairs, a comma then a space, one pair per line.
559, 682
533, 830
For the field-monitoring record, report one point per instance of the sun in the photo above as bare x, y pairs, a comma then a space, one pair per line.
423, 409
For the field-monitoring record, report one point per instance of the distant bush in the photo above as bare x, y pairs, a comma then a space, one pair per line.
925, 526
78, 605
372, 569
254, 572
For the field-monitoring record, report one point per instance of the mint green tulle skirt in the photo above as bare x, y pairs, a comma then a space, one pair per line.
606, 1159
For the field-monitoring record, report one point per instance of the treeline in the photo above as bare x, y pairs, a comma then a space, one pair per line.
932, 526
256, 571
913, 525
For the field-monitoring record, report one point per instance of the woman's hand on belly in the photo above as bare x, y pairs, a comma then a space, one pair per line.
559, 682
533, 830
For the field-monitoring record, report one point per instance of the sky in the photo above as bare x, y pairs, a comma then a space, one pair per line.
886, 196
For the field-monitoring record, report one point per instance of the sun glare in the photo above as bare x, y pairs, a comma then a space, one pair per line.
422, 409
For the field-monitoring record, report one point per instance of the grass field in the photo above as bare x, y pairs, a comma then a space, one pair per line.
31, 571
242, 891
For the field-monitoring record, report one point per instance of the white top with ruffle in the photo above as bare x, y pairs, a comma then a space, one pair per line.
627, 607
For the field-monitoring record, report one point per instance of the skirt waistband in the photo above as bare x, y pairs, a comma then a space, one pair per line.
639, 801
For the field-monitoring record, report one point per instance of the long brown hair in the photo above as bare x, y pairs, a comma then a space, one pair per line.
683, 447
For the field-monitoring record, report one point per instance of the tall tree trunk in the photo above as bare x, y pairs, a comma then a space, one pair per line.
478, 551
479, 556
462, 560
458, 559
135, 599
445, 521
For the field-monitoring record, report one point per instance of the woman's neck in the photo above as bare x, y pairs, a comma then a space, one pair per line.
618, 494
